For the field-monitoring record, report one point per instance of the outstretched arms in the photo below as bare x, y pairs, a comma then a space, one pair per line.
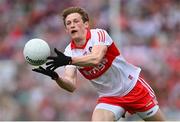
95, 57
68, 82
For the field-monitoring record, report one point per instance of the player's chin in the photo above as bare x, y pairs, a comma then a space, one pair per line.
75, 37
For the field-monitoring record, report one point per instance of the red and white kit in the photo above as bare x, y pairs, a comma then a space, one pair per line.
114, 76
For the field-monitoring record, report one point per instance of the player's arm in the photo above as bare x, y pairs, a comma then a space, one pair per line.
95, 57
68, 82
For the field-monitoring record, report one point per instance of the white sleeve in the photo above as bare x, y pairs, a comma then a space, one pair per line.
102, 38
68, 51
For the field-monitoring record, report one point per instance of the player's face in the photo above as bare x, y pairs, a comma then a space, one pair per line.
76, 27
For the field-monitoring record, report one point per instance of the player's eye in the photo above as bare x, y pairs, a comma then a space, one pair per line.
76, 21
68, 23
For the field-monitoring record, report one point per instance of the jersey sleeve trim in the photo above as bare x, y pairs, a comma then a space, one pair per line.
88, 36
101, 37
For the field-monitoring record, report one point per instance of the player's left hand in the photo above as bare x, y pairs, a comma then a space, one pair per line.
47, 72
57, 61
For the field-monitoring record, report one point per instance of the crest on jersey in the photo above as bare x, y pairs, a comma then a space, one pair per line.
90, 48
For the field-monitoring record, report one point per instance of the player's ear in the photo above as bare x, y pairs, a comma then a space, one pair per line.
86, 24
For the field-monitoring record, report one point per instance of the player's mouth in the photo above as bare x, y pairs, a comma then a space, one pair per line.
73, 31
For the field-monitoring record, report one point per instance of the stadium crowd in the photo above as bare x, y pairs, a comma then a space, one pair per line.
150, 38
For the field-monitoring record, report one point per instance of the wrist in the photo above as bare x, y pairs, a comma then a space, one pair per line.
55, 76
70, 60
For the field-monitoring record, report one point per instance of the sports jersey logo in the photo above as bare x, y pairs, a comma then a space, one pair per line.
90, 48
150, 112
86, 52
100, 67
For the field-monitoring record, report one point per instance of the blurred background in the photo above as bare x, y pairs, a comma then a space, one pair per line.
147, 33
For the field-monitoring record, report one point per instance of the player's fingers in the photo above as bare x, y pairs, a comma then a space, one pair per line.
37, 70
51, 57
49, 67
57, 51
49, 63
34, 70
54, 68
41, 68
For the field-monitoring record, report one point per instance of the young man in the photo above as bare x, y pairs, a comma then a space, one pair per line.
94, 54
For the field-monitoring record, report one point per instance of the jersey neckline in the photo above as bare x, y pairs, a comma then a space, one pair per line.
88, 36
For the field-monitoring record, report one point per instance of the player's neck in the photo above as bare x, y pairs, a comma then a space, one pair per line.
81, 41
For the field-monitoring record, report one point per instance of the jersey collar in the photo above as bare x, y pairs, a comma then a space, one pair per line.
88, 36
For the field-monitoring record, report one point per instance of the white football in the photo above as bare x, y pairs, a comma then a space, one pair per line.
36, 52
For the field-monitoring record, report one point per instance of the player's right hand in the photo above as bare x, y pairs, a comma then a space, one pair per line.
47, 72
59, 60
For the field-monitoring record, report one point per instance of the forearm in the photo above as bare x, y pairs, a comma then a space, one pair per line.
65, 84
88, 60
91, 59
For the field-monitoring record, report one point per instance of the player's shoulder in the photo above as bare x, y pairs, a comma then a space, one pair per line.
68, 47
97, 30
98, 33
68, 50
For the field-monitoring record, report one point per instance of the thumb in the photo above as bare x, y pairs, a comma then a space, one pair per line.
57, 51
38, 69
